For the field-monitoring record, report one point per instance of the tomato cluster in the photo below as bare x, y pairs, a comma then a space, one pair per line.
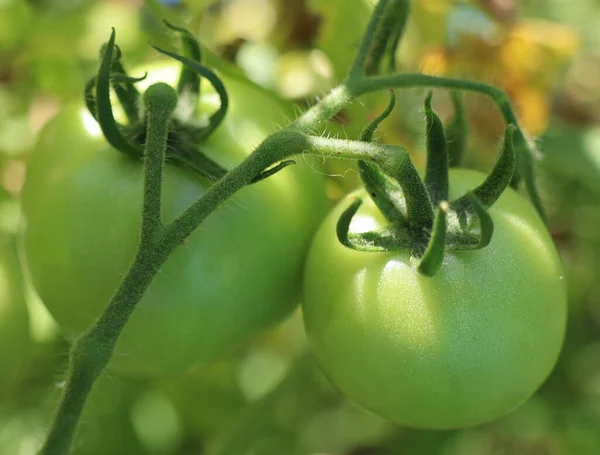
442, 350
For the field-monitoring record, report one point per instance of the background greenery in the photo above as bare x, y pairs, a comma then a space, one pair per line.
268, 397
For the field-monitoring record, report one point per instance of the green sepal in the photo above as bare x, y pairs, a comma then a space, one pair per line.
197, 161
216, 118
525, 171
386, 193
486, 224
272, 171
129, 97
457, 131
433, 258
116, 79
369, 131
387, 239
436, 174
469, 240
419, 212
498, 179
105, 117
189, 80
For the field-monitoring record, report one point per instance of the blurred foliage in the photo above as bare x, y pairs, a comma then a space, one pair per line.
268, 397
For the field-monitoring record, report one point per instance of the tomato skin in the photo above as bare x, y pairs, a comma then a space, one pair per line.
237, 274
456, 350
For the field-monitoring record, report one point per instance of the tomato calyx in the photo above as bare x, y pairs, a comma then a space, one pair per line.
186, 128
420, 217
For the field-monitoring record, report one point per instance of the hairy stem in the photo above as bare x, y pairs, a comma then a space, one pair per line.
92, 351
161, 101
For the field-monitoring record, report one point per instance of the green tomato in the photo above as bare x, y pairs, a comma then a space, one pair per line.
14, 321
240, 272
455, 350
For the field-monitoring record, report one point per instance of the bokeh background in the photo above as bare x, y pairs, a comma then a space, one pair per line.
268, 397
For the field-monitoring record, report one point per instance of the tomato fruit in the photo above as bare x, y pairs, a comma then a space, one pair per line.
458, 349
238, 273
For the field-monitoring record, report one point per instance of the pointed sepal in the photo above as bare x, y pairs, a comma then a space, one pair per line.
468, 240
457, 131
436, 174
189, 80
433, 258
104, 113
216, 118
387, 239
272, 171
498, 179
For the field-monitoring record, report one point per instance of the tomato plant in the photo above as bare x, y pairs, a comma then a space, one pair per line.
238, 274
451, 346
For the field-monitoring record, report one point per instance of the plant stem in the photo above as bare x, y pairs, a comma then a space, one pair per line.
324, 110
92, 351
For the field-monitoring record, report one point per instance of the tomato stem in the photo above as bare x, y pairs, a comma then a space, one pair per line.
92, 351
160, 100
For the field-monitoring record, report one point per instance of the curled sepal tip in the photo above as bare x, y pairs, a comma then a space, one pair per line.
436, 174
432, 259
498, 179
486, 224
272, 171
102, 104
219, 115
189, 80
369, 131
457, 131
120, 78
371, 242
468, 240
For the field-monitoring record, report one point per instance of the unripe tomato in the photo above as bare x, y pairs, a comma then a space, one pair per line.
238, 273
458, 349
